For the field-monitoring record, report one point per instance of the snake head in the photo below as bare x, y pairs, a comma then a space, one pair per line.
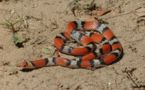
23, 64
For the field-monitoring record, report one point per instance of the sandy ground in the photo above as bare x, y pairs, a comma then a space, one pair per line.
38, 21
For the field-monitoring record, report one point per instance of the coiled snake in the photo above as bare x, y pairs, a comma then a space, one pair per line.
98, 47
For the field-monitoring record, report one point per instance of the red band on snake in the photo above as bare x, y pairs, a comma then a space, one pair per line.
98, 47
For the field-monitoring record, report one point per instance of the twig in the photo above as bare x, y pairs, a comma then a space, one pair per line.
119, 15
130, 12
130, 77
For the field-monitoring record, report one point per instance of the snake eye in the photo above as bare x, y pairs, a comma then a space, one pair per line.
24, 64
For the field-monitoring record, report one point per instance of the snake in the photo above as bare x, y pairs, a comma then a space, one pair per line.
95, 46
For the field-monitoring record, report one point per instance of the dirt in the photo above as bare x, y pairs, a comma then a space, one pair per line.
36, 23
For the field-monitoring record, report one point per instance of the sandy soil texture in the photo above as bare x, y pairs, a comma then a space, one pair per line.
36, 22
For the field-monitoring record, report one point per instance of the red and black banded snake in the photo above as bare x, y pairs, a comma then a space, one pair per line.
98, 47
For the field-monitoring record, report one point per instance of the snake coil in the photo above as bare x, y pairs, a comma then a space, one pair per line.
98, 47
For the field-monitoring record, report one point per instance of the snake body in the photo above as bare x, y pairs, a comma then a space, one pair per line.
98, 47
